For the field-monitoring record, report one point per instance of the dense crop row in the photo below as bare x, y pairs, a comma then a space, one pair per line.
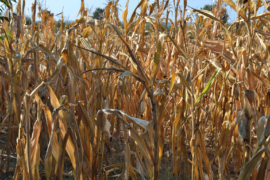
74, 100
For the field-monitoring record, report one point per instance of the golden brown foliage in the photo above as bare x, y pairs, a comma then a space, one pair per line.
76, 95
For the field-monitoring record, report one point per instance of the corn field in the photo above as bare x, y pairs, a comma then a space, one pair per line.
135, 98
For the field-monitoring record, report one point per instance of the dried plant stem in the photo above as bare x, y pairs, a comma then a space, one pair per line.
193, 136
156, 135
247, 140
101, 121
62, 154
9, 129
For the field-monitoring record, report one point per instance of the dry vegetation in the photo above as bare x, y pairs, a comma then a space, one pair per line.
104, 101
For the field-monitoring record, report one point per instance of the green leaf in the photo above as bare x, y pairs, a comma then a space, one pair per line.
207, 86
8, 36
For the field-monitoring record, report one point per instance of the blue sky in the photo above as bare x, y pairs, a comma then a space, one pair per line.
71, 7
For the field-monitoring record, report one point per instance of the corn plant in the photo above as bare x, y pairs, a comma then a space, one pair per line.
192, 91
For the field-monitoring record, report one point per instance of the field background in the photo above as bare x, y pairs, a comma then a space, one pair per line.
172, 92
